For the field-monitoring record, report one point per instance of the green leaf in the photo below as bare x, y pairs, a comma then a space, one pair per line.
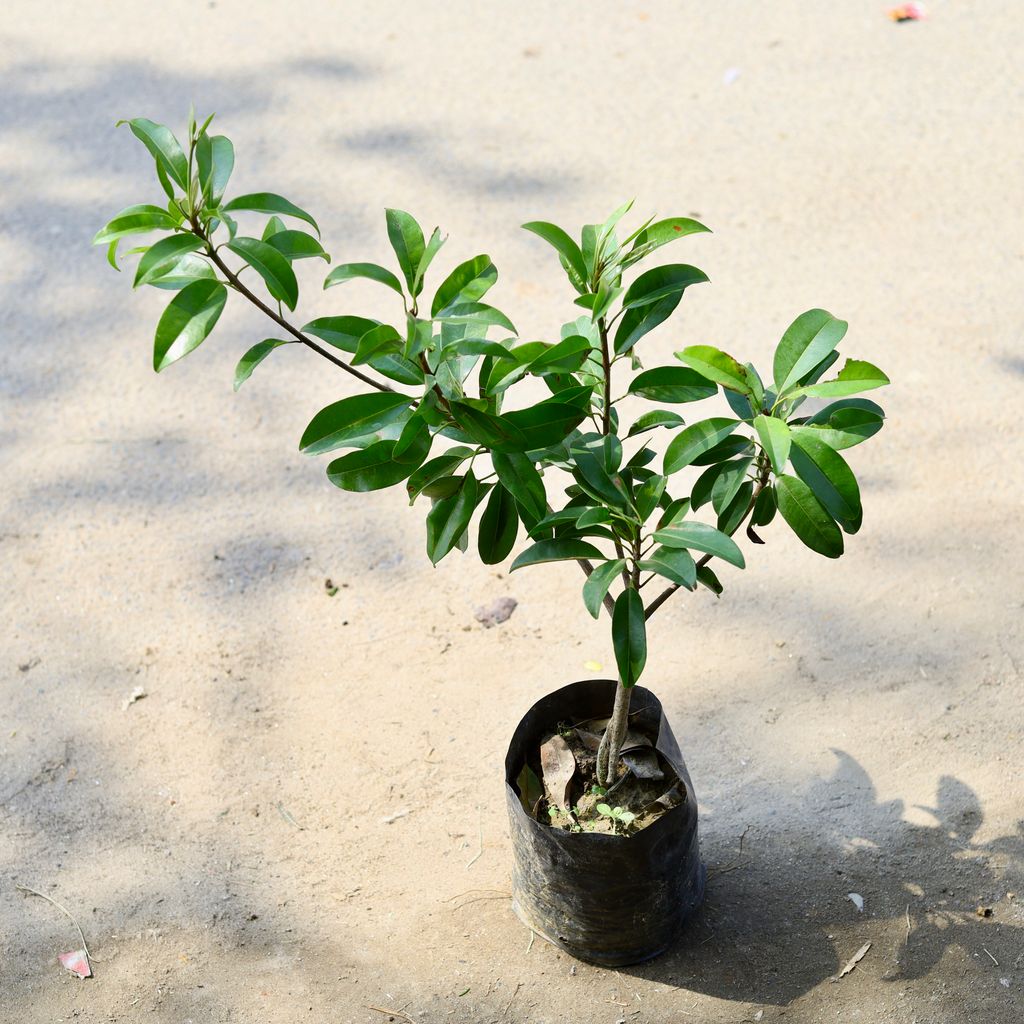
431, 250
494, 432
166, 149
477, 314
653, 419
807, 517
696, 439
379, 341
352, 417
700, 493
729, 448
606, 485
733, 514
406, 238
468, 282
807, 341
846, 423
162, 255
827, 474
342, 332
253, 358
661, 283
268, 202
546, 423
371, 271
691, 534
637, 322
187, 321
498, 527
565, 357
182, 271
555, 551
675, 564
728, 483
856, 375
672, 384
215, 160
707, 578
373, 468
716, 365
629, 636
764, 507
774, 436
134, 220
566, 248
448, 520
437, 469
649, 496
275, 270
598, 584
519, 476
297, 245
661, 233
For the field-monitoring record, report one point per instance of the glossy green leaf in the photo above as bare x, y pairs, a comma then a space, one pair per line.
368, 469
629, 636
342, 332
134, 220
448, 520
187, 321
649, 495
807, 341
696, 439
162, 255
215, 160
807, 517
765, 507
268, 202
846, 423
728, 483
707, 578
519, 476
774, 436
700, 493
275, 270
701, 537
468, 282
379, 341
606, 485
672, 384
182, 271
675, 564
827, 474
856, 375
371, 271
732, 514
565, 357
406, 238
714, 364
477, 314
352, 417
661, 283
437, 469
546, 423
297, 245
253, 358
661, 233
598, 584
653, 419
429, 252
728, 448
555, 551
498, 527
166, 149
564, 245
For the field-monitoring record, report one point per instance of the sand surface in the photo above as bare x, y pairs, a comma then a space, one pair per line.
303, 818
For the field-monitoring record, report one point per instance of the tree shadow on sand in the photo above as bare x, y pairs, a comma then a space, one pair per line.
777, 920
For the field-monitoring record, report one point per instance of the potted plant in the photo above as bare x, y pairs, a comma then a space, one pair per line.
603, 815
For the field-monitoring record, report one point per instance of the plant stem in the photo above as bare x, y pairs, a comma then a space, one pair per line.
280, 320
606, 363
614, 734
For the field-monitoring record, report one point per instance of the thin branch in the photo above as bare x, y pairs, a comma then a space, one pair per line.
280, 320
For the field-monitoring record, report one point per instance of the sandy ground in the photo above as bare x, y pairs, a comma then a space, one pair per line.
227, 842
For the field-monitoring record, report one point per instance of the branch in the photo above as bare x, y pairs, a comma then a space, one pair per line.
278, 319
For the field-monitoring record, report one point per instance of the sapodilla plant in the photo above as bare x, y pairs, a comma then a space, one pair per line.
435, 412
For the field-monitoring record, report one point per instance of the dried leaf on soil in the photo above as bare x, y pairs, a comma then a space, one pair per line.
77, 962
643, 764
558, 767
853, 961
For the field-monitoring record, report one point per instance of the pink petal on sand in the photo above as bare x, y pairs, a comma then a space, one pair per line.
77, 962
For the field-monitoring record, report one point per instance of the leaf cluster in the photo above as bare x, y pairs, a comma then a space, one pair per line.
565, 474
